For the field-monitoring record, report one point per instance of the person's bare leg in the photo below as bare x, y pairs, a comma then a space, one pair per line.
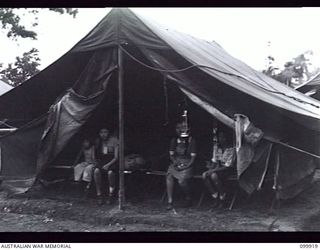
112, 187
112, 182
170, 187
185, 186
219, 186
97, 180
206, 176
217, 183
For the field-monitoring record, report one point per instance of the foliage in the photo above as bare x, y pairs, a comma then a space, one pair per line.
26, 65
23, 68
294, 72
11, 21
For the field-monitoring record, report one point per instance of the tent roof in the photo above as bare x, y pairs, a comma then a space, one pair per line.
236, 73
220, 65
125, 27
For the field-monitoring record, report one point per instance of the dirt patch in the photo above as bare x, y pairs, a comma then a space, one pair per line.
49, 210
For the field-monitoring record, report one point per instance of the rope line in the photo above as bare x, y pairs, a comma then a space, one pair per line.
220, 71
6, 124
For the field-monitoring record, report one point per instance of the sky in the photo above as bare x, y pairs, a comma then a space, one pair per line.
244, 32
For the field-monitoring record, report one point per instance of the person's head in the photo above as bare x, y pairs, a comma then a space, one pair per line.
182, 129
222, 138
86, 143
104, 133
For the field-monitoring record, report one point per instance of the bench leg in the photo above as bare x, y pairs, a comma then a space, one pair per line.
233, 199
201, 198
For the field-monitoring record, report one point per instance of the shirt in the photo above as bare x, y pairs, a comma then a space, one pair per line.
183, 147
89, 155
106, 148
226, 157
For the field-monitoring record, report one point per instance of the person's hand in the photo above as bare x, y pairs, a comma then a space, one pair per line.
106, 167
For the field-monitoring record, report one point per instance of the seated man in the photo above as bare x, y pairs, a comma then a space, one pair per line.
106, 154
83, 170
182, 155
220, 167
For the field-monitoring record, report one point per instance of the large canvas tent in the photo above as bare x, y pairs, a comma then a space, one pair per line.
79, 93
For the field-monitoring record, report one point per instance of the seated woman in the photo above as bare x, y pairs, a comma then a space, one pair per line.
182, 155
106, 154
220, 167
83, 170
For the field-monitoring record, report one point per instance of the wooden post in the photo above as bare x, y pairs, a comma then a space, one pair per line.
121, 130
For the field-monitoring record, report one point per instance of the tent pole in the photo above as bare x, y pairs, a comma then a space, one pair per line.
121, 130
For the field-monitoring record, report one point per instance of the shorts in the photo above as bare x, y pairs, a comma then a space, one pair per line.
113, 167
83, 171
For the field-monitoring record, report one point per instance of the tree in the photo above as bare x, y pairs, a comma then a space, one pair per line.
11, 22
294, 72
271, 69
23, 68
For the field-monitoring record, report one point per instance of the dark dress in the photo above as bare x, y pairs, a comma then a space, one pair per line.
182, 148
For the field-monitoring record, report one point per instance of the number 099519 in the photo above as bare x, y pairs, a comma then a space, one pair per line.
306, 246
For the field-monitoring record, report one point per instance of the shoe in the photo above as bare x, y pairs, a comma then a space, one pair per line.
223, 196
221, 205
86, 193
100, 200
215, 195
111, 199
169, 206
215, 203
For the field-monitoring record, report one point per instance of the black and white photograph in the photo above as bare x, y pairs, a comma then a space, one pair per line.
159, 119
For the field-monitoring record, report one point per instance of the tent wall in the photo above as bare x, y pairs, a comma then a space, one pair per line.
33, 98
19, 150
295, 169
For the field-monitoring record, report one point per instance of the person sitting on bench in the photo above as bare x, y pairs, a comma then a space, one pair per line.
83, 170
182, 155
220, 167
106, 153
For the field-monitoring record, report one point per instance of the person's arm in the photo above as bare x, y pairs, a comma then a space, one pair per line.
171, 151
78, 157
193, 157
193, 154
94, 154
